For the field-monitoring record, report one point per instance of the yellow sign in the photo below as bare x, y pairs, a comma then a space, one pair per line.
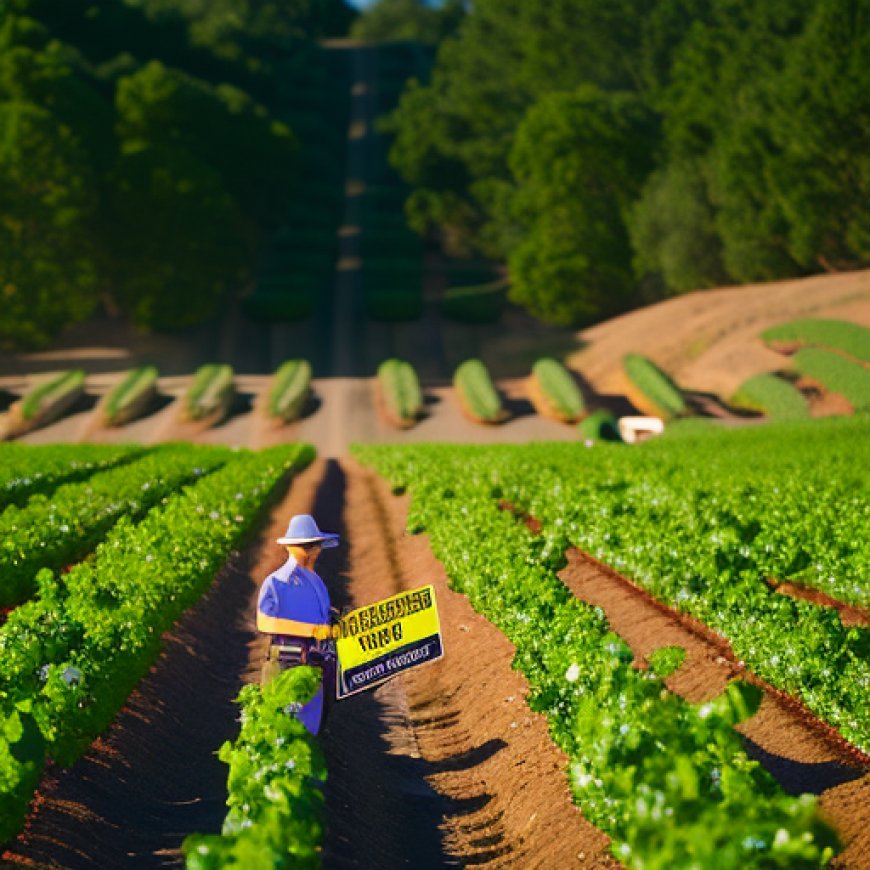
383, 639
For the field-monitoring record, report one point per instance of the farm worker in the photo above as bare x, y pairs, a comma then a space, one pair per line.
293, 607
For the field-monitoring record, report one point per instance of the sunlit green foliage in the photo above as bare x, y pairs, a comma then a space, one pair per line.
700, 522
277, 810
744, 159
837, 374
771, 395
851, 338
70, 657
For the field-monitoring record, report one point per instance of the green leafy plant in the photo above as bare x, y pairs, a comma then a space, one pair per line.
477, 395
73, 653
290, 389
554, 391
669, 781
131, 396
600, 425
650, 389
62, 527
771, 395
277, 810
400, 392
27, 470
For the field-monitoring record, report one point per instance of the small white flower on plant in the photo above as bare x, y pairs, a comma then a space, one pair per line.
573, 673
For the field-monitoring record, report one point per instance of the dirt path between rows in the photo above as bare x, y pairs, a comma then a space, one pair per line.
443, 766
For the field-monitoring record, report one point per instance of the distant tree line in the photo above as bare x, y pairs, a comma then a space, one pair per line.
616, 153
409, 20
143, 157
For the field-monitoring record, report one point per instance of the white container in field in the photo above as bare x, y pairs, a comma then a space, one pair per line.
635, 429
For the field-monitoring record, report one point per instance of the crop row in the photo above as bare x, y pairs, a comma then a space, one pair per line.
70, 657
704, 520
27, 471
56, 529
768, 394
277, 811
840, 335
836, 373
667, 780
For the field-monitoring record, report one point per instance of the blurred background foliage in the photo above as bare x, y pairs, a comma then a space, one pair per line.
607, 154
144, 153
613, 154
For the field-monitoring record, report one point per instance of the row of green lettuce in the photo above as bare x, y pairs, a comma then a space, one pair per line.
668, 781
276, 772
71, 655
28, 470
704, 521
61, 527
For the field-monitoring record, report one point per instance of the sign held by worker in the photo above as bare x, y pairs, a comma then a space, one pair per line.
388, 637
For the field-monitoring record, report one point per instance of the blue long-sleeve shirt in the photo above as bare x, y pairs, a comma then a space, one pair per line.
293, 601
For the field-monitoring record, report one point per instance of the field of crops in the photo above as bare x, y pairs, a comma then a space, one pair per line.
96, 566
703, 523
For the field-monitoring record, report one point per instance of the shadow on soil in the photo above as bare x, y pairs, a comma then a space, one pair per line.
518, 408
796, 777
243, 403
381, 811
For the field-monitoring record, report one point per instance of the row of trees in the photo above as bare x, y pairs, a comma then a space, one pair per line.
614, 153
143, 155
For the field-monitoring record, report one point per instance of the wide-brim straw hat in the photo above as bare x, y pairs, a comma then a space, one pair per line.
304, 530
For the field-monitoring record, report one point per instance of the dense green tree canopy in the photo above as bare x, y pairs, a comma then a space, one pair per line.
136, 169
408, 20
756, 166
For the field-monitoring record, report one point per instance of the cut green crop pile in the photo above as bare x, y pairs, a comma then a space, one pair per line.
38, 400
290, 388
477, 393
210, 392
837, 374
559, 388
131, 395
833, 334
654, 385
400, 388
768, 394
